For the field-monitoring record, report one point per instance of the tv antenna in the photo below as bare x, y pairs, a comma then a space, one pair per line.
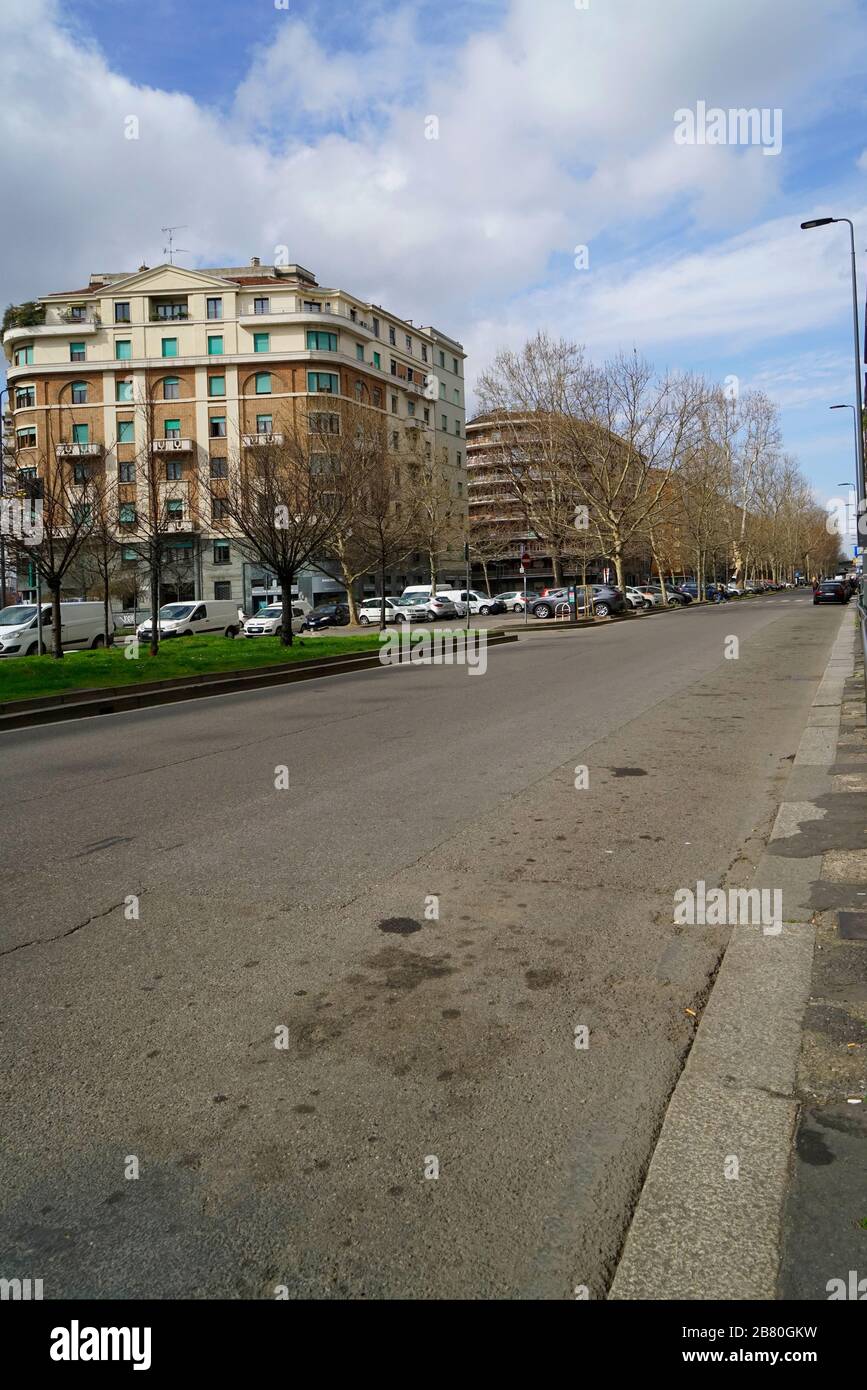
171, 250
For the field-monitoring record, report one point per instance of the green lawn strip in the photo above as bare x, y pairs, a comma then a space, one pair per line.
28, 677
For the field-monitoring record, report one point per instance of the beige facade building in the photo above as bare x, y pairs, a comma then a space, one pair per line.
220, 354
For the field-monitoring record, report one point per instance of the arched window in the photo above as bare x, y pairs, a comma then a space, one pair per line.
79, 393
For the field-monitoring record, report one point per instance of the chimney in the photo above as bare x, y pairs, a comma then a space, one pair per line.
143, 267
254, 260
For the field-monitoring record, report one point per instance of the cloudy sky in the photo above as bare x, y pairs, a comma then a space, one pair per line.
264, 123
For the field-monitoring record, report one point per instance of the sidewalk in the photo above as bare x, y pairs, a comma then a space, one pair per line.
757, 1184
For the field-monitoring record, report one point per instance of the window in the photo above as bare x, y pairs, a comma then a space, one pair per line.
359, 352
424, 352
81, 513
312, 306
264, 424
392, 366
217, 427
216, 386
444, 422
121, 311
375, 322
222, 553
77, 352
222, 588
126, 471
321, 342
457, 426
170, 347
442, 390
78, 313
460, 459
79, 393
359, 390
122, 349
215, 308
215, 344
427, 415
263, 383
24, 396
377, 396
123, 390
219, 508
219, 468
377, 360
261, 306
409, 344
410, 407
392, 337
24, 356
126, 515
175, 508
394, 405
456, 396
170, 309
327, 382
442, 359
323, 422
394, 439
173, 470
171, 388
455, 366
81, 434
261, 342
26, 476
126, 435
26, 437
172, 429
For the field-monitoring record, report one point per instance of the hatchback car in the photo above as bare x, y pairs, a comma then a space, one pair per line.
514, 599
371, 611
831, 591
329, 615
268, 622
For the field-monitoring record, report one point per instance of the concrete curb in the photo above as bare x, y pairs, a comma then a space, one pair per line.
117, 699
696, 1232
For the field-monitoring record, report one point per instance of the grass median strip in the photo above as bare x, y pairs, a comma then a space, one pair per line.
30, 677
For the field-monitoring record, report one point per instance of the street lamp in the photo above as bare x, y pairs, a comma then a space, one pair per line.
859, 432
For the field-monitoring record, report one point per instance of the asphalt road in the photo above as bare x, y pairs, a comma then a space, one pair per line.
268, 916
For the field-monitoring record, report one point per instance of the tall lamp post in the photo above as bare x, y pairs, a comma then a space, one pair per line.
855, 422
859, 431
3, 392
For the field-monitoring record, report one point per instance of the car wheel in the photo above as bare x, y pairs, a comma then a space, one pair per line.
484, 609
542, 610
674, 603
31, 650
231, 632
98, 641
602, 610
647, 603
516, 607
364, 620
815, 601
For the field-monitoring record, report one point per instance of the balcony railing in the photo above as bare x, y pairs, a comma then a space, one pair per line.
79, 451
171, 446
254, 440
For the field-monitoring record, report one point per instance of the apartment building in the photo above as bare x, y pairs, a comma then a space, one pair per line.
220, 355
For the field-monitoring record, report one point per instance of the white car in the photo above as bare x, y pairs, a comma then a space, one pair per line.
268, 622
514, 599
422, 608
371, 611
462, 598
637, 598
81, 626
195, 616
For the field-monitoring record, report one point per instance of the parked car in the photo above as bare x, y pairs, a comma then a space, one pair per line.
831, 591
652, 597
268, 622
514, 599
371, 611
637, 598
194, 616
605, 599
81, 626
327, 615
674, 597
477, 603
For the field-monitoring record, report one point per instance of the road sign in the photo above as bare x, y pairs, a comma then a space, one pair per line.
526, 560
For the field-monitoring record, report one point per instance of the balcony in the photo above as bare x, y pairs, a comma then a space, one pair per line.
78, 328
254, 441
172, 446
79, 451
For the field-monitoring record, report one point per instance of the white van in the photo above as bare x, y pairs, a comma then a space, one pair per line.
194, 616
81, 626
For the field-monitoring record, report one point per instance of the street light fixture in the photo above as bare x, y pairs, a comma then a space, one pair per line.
859, 432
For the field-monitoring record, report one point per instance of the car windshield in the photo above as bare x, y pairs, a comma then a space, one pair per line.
410, 600
275, 611
20, 613
172, 611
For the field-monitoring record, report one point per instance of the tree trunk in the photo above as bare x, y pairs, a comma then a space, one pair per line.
432, 557
286, 633
485, 575
106, 600
558, 571
57, 636
155, 606
382, 595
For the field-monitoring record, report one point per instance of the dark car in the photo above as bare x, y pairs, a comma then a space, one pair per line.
676, 597
606, 599
329, 615
831, 591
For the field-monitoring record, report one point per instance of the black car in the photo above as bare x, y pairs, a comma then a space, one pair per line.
831, 591
329, 615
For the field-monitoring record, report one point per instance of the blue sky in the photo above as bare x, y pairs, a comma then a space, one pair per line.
305, 126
